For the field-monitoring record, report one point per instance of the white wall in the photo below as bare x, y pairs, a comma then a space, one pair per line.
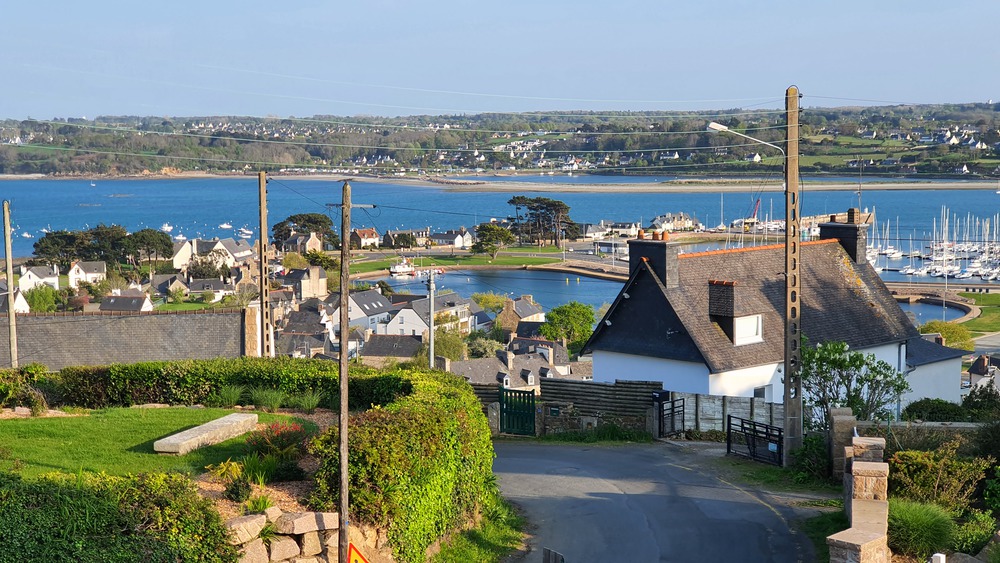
406, 320
940, 380
742, 382
686, 377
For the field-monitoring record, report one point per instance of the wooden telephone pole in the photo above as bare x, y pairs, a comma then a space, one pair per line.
345, 333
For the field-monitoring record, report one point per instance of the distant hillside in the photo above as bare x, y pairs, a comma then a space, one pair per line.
888, 140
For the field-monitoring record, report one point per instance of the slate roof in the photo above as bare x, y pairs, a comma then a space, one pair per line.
840, 301
303, 322
392, 346
41, 272
131, 303
983, 363
492, 370
441, 303
521, 346
921, 351
287, 344
209, 284
525, 307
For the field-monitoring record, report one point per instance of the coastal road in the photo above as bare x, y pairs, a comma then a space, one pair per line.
640, 503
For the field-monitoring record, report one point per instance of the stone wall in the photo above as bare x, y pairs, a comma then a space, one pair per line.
301, 537
866, 498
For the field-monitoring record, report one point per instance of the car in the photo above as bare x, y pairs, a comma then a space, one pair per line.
590, 252
569, 250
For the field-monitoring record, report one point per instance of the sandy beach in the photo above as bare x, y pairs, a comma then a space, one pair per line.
494, 184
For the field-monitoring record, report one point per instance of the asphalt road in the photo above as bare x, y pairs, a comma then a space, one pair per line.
640, 503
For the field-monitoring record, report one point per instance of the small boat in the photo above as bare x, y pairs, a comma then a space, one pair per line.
166, 227
225, 225
244, 232
402, 268
180, 238
93, 185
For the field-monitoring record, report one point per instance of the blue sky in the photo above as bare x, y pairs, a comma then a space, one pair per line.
388, 57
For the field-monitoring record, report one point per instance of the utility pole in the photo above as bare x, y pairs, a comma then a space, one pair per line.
793, 353
430, 300
266, 343
11, 324
345, 320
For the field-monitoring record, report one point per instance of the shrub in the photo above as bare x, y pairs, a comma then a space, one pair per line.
812, 460
991, 495
228, 470
600, 433
918, 529
982, 403
284, 438
260, 469
257, 504
154, 517
269, 400
939, 476
973, 534
987, 439
238, 490
308, 401
935, 410
230, 395
418, 465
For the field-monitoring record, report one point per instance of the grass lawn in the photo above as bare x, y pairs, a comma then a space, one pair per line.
116, 441
458, 259
989, 320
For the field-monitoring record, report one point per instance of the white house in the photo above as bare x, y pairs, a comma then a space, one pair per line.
228, 251
38, 275
20, 303
365, 309
713, 322
458, 239
405, 322
90, 272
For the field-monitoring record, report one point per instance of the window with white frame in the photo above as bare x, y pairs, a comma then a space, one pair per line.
748, 330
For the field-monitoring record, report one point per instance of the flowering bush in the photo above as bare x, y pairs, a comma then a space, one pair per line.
282, 438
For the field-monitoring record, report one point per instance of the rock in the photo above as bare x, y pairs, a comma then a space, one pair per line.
254, 552
245, 528
283, 547
310, 543
302, 522
272, 513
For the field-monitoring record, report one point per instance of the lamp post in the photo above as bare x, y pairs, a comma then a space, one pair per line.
792, 431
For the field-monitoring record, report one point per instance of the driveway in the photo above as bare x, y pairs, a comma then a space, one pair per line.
641, 503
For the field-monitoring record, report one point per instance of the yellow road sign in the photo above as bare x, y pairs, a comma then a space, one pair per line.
354, 556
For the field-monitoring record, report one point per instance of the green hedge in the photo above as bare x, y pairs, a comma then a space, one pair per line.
419, 466
190, 381
940, 477
100, 518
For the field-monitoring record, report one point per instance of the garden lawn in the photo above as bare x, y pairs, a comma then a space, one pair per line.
116, 441
989, 320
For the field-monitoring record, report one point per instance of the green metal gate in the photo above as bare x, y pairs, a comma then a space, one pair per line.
517, 412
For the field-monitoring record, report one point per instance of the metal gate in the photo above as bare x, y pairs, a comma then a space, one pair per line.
517, 412
670, 413
755, 440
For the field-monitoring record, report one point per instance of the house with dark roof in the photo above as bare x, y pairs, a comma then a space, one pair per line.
217, 287
381, 350
126, 304
228, 252
302, 243
713, 322
517, 311
303, 333
365, 309
90, 272
163, 284
984, 369
513, 371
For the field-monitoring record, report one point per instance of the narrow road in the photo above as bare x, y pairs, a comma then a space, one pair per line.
640, 503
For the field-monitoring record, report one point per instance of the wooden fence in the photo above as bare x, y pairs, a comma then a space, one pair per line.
621, 398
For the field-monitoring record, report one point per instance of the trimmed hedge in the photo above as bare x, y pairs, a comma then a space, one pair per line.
190, 381
419, 467
939, 477
100, 518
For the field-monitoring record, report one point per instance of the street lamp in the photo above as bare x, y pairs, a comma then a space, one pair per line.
792, 431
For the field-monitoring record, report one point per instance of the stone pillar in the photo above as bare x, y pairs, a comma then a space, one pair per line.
842, 423
866, 502
493, 417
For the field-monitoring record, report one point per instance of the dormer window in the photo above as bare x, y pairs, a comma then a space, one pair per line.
748, 330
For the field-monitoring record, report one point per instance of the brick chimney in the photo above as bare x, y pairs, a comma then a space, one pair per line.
509, 357
661, 257
853, 235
